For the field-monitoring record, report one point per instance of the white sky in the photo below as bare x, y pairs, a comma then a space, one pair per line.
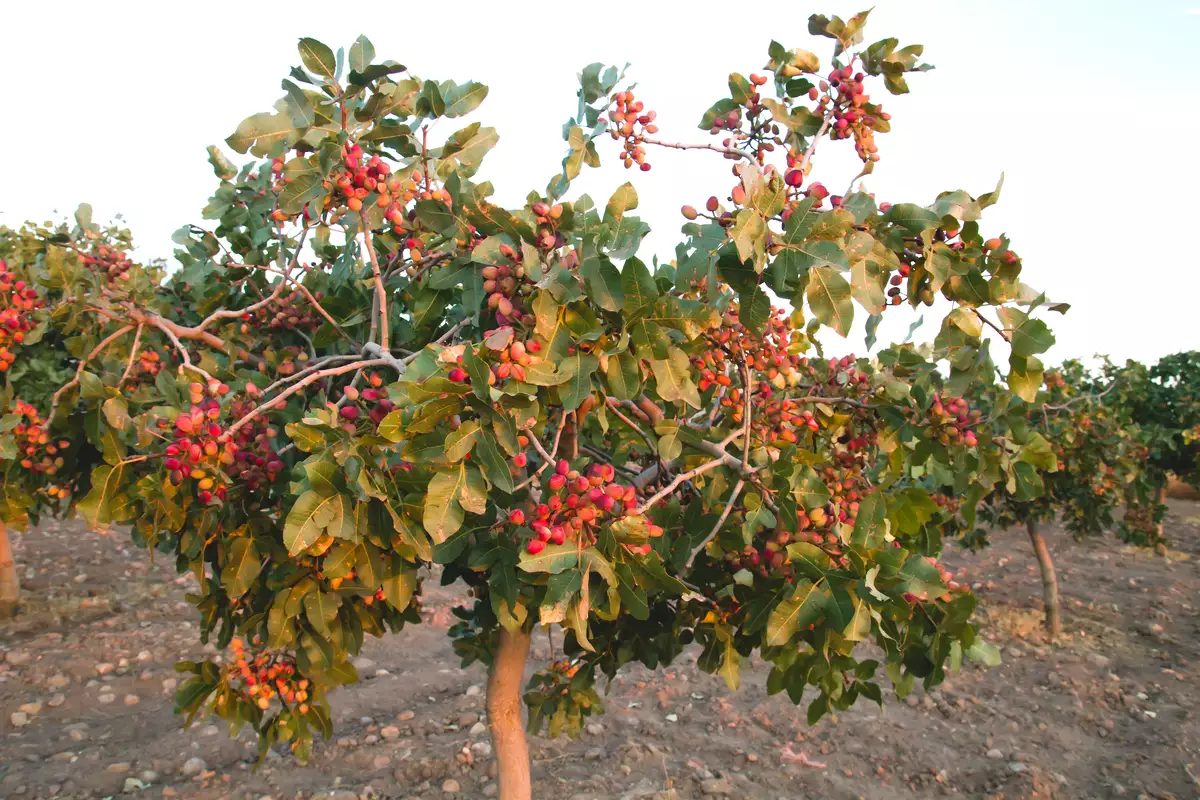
1091, 109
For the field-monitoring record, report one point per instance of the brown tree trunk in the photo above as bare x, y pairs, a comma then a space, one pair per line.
10, 590
1160, 498
504, 714
1049, 580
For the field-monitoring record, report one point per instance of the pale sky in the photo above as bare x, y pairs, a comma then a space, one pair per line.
1090, 108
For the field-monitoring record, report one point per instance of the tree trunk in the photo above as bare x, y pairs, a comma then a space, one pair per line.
504, 714
1160, 498
10, 590
1049, 580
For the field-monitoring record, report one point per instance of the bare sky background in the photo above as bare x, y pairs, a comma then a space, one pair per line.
1090, 109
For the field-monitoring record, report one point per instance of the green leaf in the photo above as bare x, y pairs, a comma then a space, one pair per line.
870, 524
638, 287
578, 369
673, 376
443, 515
96, 507
633, 596
477, 370
260, 133
398, 590
303, 189
464, 99
242, 566
1031, 337
309, 518
362, 53
1037, 451
799, 611
460, 442
603, 283
829, 297
921, 578
755, 311
982, 652
436, 216
913, 218
390, 427
623, 376
749, 235
492, 461
318, 58
465, 150
957, 204
116, 412
223, 168
811, 491
321, 608
554, 559
623, 199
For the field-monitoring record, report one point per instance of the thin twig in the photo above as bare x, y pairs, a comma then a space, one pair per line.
674, 484
726, 151
613, 405
1083, 397
277, 401
133, 351
547, 458
748, 380
1003, 335
812, 146
112, 337
380, 292
737, 490
235, 313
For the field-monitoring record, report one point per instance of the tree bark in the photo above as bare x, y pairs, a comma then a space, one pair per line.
10, 590
1049, 580
504, 714
1160, 499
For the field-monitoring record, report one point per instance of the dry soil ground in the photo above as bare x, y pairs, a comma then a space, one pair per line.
86, 686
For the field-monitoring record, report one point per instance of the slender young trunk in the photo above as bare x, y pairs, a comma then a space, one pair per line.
504, 714
10, 590
1160, 498
1049, 580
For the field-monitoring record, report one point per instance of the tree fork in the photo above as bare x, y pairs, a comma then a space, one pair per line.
504, 714
1049, 580
10, 589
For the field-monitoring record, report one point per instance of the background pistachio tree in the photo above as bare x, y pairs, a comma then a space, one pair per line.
1085, 459
372, 368
1163, 402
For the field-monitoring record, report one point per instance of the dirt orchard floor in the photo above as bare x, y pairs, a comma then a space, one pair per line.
86, 689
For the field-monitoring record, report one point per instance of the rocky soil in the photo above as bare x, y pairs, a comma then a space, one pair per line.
86, 686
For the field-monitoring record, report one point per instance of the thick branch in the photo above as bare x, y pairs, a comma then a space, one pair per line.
183, 351
174, 329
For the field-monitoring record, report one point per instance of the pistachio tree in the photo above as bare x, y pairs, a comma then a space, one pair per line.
367, 367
